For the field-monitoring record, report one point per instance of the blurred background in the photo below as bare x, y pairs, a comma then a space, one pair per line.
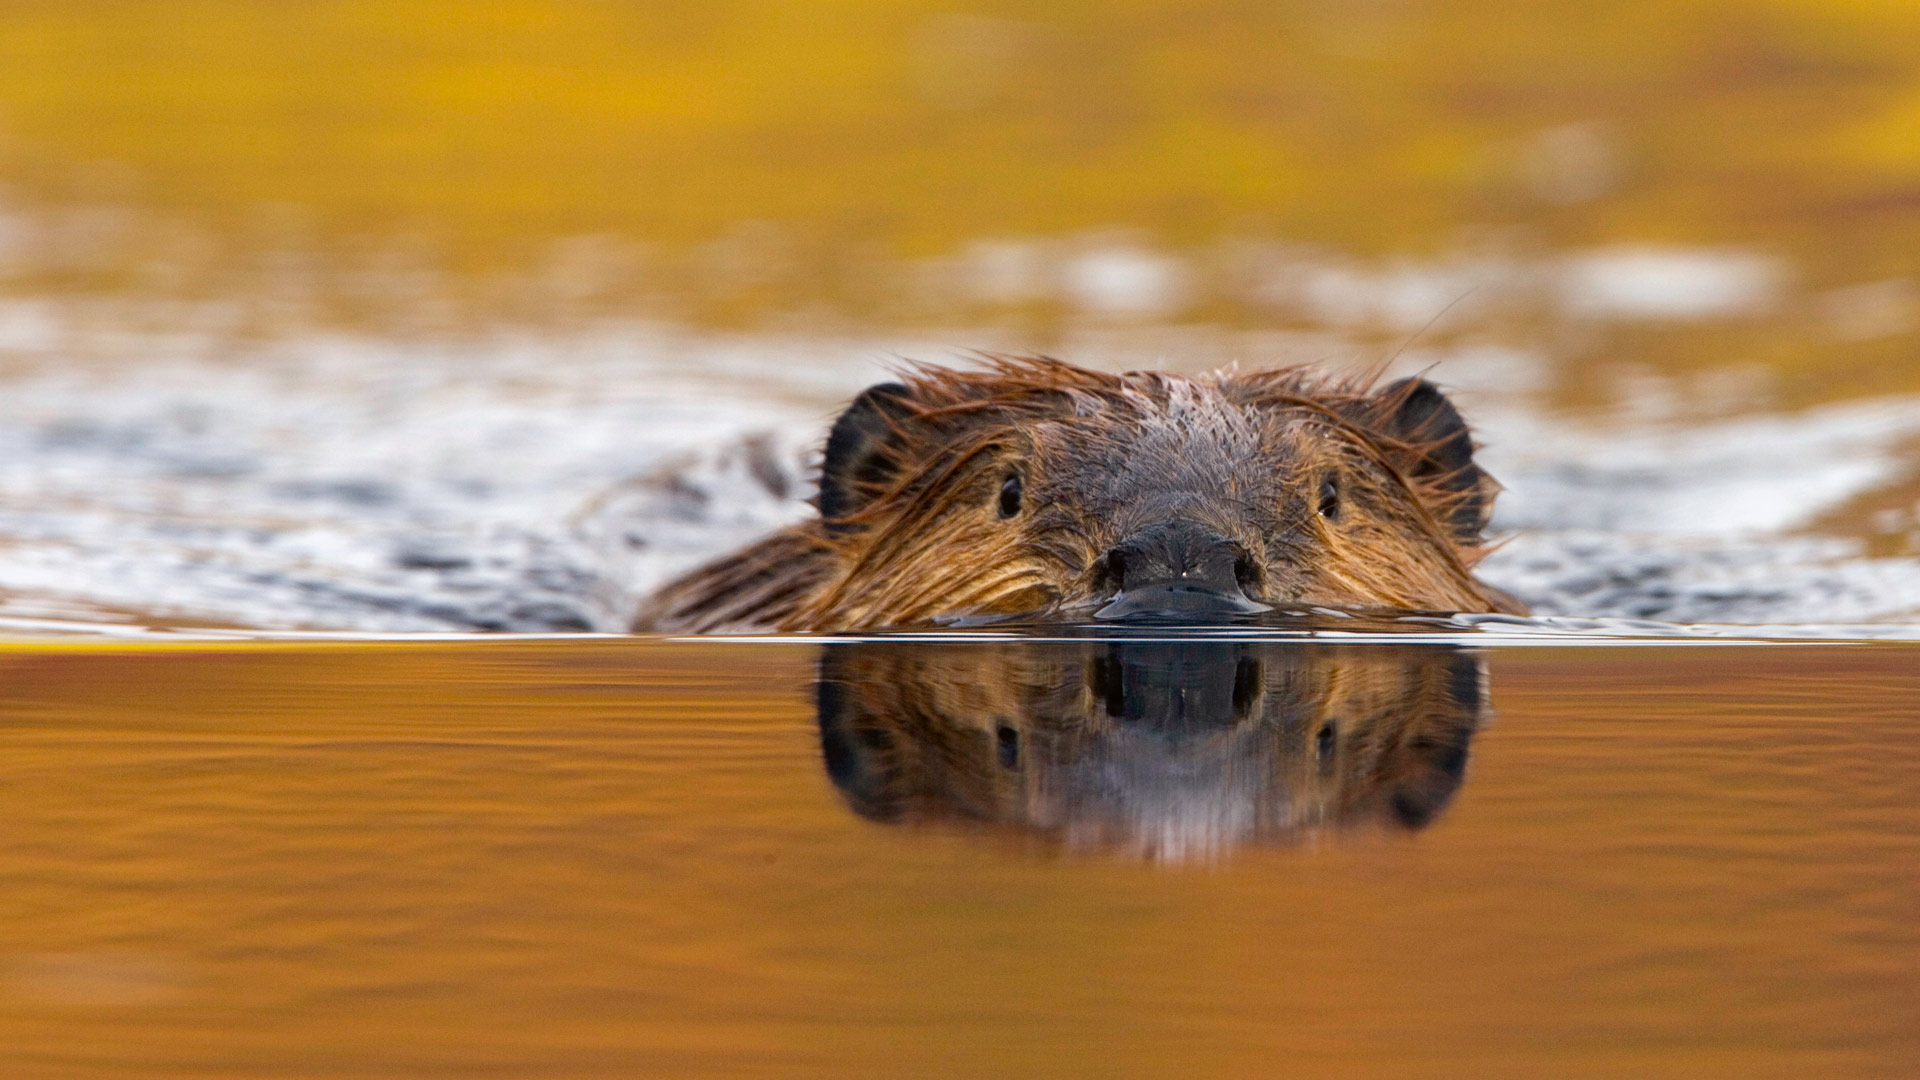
419, 314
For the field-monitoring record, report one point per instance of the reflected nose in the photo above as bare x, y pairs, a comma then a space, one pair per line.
1178, 569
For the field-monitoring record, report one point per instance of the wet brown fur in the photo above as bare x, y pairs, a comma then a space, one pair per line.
908, 531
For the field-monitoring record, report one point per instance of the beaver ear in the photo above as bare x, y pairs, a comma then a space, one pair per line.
1416, 413
862, 457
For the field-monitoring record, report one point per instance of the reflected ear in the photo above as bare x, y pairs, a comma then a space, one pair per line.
863, 456
1415, 412
1437, 753
857, 752
1440, 759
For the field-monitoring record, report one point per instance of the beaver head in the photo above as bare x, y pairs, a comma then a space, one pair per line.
1033, 486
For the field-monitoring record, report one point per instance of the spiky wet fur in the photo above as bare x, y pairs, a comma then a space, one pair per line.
1101, 455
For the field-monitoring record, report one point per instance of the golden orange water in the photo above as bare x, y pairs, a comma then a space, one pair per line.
624, 858
756, 161
1377, 124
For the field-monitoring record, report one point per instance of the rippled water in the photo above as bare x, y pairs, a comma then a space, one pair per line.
908, 857
443, 317
545, 482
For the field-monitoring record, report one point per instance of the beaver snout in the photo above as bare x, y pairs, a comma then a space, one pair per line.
1179, 569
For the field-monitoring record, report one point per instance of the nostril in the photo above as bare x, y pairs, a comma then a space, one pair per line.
1180, 569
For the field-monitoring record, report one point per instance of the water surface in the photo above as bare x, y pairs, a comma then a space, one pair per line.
629, 858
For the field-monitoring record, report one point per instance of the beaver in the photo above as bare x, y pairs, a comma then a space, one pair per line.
1167, 748
1034, 487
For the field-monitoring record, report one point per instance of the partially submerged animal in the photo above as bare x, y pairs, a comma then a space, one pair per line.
1034, 486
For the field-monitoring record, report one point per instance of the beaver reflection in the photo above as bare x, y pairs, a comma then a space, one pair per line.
1171, 749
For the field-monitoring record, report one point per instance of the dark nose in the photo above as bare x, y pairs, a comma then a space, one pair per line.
1178, 569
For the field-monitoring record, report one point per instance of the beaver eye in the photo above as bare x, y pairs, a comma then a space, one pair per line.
1330, 498
1010, 496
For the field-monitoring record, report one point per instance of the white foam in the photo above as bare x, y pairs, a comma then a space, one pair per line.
365, 484
1732, 477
